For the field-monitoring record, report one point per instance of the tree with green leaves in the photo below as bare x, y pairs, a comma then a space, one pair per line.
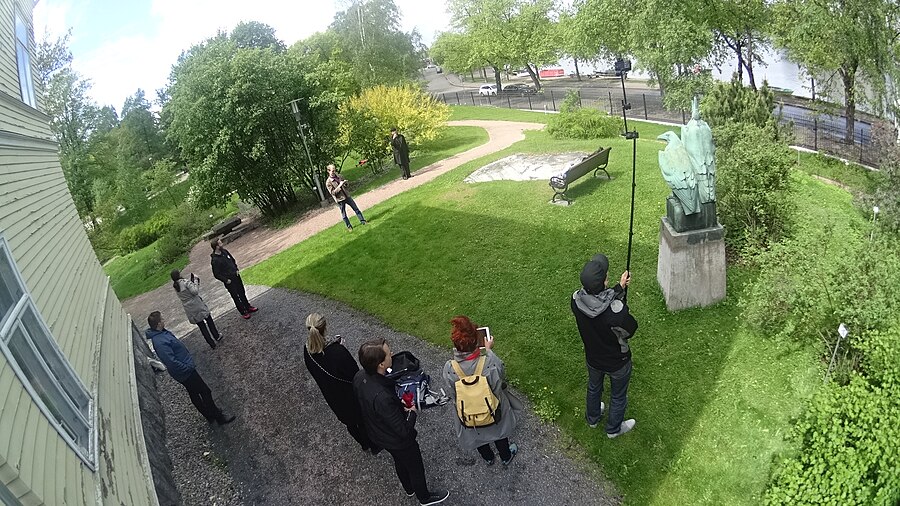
373, 43
140, 139
520, 33
740, 28
856, 40
228, 112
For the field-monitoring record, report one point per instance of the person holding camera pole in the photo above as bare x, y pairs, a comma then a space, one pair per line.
480, 423
225, 269
195, 309
333, 368
337, 187
606, 326
390, 424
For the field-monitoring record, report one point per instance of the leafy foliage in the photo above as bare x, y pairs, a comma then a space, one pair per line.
576, 122
186, 228
734, 102
366, 119
886, 194
374, 45
229, 115
853, 40
753, 186
146, 233
847, 440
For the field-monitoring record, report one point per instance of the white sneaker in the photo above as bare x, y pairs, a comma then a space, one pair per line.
602, 410
626, 426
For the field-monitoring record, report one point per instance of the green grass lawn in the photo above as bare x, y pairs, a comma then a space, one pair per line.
138, 272
453, 140
712, 398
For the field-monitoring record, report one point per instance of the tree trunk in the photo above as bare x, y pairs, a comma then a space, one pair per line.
748, 61
484, 73
848, 75
497, 78
577, 73
535, 78
740, 60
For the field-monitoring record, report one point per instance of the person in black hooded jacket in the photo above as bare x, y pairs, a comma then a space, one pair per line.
605, 325
333, 368
225, 269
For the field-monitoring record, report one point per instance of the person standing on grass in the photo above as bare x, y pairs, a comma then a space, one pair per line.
465, 362
401, 152
606, 326
225, 269
178, 361
195, 309
333, 368
337, 187
389, 424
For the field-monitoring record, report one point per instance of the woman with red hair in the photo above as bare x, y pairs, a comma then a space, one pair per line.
467, 355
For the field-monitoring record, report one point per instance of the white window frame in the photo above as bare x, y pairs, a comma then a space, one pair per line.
87, 451
23, 60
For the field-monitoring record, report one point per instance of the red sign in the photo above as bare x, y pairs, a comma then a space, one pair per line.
552, 73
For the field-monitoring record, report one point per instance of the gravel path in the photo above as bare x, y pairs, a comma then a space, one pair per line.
286, 447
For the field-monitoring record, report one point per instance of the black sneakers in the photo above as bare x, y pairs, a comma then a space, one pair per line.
436, 498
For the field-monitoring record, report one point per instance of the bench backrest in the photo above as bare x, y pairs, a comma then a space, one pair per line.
597, 159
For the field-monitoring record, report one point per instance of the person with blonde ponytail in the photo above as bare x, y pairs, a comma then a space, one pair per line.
333, 368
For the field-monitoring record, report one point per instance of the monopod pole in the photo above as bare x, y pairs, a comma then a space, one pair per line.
633, 135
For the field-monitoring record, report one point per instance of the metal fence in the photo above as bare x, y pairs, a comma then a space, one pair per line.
812, 130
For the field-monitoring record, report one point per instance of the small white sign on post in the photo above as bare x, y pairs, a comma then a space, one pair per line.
842, 330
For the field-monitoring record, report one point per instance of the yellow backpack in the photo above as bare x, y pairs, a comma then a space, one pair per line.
476, 404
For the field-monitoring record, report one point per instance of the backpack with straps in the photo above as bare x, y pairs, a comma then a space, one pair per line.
476, 404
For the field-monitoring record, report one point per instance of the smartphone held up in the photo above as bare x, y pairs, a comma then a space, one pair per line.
484, 337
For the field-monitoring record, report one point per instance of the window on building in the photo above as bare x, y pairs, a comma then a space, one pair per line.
31, 350
23, 60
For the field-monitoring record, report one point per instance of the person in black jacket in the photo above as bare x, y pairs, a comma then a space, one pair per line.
401, 152
605, 326
389, 424
225, 269
333, 368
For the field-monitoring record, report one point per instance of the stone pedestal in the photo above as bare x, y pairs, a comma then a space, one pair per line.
691, 266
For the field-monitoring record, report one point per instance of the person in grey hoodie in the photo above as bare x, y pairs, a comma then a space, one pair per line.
606, 326
195, 308
178, 361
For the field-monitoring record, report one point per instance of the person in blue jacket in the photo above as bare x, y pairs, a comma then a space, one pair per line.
177, 359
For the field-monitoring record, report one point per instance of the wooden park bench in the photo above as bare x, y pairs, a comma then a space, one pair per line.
224, 227
596, 161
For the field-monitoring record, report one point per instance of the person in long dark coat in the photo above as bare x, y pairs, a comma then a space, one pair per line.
333, 368
401, 152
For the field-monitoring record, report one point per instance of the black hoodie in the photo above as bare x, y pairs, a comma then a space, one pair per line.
223, 266
605, 326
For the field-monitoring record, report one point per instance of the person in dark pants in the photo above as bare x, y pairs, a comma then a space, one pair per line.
401, 152
337, 187
389, 424
333, 368
606, 326
195, 309
178, 361
225, 269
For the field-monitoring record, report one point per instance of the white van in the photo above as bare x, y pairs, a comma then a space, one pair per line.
487, 89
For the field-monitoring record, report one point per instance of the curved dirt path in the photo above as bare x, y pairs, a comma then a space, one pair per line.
262, 243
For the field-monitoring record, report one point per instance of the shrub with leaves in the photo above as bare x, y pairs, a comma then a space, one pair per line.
753, 186
576, 122
366, 119
848, 439
188, 224
144, 234
733, 102
887, 194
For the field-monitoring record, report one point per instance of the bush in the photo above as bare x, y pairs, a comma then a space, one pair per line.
733, 102
754, 186
576, 122
820, 278
187, 226
144, 234
886, 194
366, 120
848, 440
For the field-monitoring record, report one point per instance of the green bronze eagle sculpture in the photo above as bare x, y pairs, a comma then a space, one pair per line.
688, 164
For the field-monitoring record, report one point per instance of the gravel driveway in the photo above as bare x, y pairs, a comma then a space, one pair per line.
286, 447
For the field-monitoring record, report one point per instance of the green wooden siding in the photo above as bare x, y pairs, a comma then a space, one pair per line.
49, 245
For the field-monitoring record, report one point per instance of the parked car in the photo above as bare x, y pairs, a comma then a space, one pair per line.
522, 73
430, 66
439, 70
487, 90
518, 90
